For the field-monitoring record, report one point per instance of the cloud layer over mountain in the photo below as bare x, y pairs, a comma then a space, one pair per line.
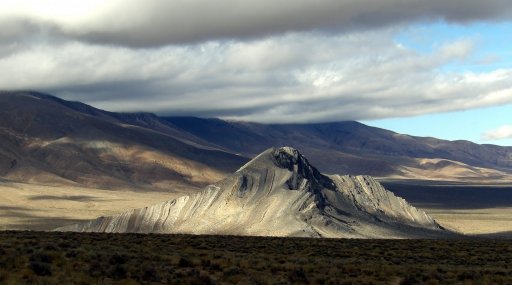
253, 60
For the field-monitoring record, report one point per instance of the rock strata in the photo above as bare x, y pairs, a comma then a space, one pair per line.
279, 193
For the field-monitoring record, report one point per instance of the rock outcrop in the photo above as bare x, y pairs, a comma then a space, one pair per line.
279, 193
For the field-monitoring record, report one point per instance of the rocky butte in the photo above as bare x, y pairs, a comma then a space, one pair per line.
278, 193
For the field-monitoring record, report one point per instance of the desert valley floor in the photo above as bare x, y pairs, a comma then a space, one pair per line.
40, 207
483, 210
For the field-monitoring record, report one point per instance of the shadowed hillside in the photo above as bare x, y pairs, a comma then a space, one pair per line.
47, 140
354, 148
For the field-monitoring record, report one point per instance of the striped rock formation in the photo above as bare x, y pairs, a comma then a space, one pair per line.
279, 193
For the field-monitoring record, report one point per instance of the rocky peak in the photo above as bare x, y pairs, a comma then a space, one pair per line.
279, 193
291, 159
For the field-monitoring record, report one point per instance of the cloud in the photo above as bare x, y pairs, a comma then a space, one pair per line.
503, 132
161, 22
292, 78
267, 61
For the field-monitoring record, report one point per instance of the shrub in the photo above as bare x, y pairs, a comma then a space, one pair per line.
184, 262
95, 269
149, 273
117, 272
41, 257
117, 259
40, 268
410, 280
233, 270
297, 275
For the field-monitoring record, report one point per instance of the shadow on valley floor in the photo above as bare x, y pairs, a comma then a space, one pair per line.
42, 224
15, 211
29, 219
452, 196
77, 198
498, 235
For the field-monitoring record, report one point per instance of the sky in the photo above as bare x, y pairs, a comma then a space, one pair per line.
439, 68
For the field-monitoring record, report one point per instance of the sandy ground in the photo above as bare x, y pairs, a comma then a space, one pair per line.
482, 210
37, 207
489, 221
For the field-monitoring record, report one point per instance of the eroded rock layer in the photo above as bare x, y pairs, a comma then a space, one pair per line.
279, 193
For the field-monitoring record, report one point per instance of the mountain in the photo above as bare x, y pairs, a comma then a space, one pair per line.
354, 148
279, 193
47, 140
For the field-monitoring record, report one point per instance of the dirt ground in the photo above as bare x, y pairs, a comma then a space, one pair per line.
483, 210
487, 221
39, 207
472, 210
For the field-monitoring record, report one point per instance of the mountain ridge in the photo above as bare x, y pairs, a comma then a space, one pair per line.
52, 141
352, 147
218, 145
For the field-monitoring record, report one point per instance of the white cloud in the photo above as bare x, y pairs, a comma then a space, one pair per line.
503, 132
297, 77
263, 60
64, 12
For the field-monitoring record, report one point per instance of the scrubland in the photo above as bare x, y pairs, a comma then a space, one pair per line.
92, 258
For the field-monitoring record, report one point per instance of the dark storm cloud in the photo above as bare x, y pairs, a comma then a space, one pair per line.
161, 22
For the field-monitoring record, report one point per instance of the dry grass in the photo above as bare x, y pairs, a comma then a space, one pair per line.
78, 258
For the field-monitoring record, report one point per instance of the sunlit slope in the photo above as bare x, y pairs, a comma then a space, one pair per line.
279, 193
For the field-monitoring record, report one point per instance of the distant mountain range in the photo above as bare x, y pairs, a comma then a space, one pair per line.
279, 193
354, 148
44, 139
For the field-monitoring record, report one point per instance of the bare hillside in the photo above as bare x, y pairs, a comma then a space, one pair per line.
279, 193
